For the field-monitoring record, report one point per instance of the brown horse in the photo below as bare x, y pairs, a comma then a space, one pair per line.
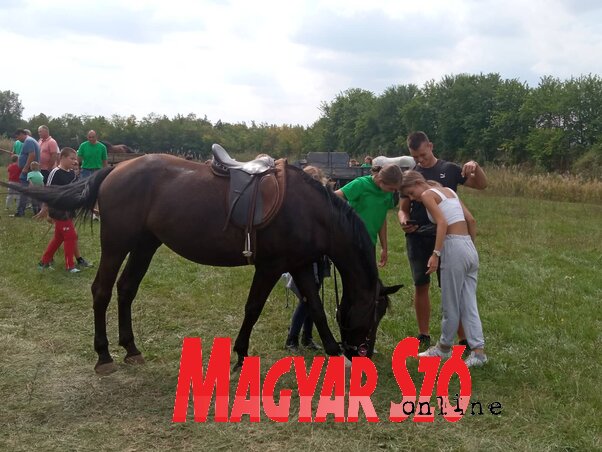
117, 148
160, 199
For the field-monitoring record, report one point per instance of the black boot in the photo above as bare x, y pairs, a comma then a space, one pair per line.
292, 344
309, 344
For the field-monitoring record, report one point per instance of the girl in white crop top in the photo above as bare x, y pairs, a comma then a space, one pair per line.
454, 244
450, 207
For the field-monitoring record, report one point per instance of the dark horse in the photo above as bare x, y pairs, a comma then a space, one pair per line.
117, 148
160, 199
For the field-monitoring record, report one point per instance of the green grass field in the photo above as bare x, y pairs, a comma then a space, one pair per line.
540, 293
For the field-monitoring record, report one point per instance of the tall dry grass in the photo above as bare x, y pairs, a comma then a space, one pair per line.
511, 181
7, 145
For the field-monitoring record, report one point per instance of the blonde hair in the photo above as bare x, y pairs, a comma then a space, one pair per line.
35, 166
389, 174
316, 173
412, 178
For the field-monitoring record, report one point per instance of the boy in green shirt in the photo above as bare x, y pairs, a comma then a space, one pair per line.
35, 178
371, 197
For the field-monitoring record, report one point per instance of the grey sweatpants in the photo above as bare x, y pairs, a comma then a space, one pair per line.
459, 268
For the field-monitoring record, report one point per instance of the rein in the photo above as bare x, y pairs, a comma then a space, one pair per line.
362, 349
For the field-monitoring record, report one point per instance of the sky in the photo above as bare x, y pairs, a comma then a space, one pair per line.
275, 61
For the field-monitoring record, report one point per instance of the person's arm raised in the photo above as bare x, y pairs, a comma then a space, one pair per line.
475, 176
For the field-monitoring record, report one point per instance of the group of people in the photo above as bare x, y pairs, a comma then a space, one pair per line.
40, 163
367, 162
440, 234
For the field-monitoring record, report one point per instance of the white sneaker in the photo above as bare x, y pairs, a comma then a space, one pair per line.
74, 270
476, 359
436, 351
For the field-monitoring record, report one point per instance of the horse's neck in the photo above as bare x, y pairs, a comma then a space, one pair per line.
351, 263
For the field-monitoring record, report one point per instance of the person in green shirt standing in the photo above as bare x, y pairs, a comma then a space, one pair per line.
371, 197
19, 144
92, 155
35, 179
367, 162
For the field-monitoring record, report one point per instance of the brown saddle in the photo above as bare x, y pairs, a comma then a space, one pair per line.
256, 192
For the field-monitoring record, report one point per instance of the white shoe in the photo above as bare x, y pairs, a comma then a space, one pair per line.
436, 351
476, 359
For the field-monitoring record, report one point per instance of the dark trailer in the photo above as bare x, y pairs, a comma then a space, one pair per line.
335, 166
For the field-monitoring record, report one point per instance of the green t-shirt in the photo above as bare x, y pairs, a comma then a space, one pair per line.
369, 202
17, 147
35, 177
92, 155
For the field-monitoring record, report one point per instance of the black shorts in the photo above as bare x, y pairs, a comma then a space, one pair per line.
420, 248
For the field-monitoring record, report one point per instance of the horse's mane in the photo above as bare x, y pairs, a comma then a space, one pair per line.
349, 222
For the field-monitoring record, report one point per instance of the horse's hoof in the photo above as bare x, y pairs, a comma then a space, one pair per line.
105, 368
237, 366
333, 350
134, 359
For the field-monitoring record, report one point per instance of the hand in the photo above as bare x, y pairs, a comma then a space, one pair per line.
469, 169
383, 258
409, 228
41, 215
432, 264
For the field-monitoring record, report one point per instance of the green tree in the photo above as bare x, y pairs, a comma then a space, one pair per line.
545, 109
391, 120
11, 110
351, 121
509, 128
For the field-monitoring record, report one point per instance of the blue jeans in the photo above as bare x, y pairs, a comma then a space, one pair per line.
301, 316
301, 319
23, 200
87, 172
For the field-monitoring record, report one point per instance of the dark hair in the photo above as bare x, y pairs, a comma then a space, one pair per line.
415, 139
20, 132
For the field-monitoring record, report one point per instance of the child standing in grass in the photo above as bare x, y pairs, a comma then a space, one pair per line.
301, 317
13, 176
371, 197
454, 245
64, 230
35, 178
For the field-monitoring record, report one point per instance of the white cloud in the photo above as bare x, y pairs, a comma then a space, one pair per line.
273, 61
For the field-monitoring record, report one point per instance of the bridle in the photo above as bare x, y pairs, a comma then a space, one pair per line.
364, 347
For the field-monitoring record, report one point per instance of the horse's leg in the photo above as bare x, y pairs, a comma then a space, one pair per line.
305, 281
102, 288
263, 282
127, 287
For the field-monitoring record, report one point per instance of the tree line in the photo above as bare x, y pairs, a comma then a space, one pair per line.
556, 125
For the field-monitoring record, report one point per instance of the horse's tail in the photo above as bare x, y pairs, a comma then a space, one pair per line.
80, 195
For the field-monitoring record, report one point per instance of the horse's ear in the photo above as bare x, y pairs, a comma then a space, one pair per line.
389, 290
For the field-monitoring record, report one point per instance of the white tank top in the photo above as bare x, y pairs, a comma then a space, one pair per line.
451, 208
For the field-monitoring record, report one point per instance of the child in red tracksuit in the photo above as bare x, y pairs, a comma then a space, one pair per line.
13, 176
64, 230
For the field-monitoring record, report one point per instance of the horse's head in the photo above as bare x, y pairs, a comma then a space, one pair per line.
358, 323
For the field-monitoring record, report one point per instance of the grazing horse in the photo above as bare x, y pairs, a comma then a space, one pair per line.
117, 148
161, 199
